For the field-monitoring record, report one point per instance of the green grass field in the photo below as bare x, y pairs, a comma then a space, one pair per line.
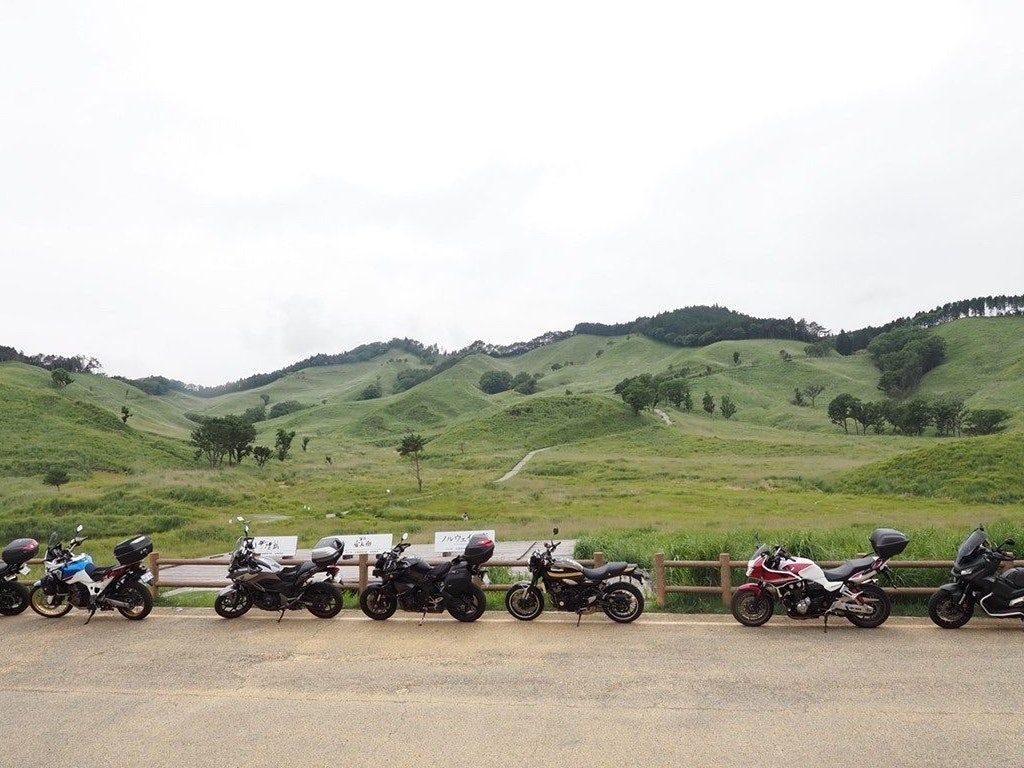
627, 485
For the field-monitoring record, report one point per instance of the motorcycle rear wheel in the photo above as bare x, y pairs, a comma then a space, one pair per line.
233, 604
325, 600
879, 601
378, 603
44, 605
13, 598
622, 602
752, 609
139, 600
948, 612
525, 602
470, 606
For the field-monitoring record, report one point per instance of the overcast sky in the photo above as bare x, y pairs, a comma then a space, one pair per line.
211, 190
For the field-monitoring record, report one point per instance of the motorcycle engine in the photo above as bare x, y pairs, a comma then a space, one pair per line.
78, 595
801, 602
267, 601
568, 598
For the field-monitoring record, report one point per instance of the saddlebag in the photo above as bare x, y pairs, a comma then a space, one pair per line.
133, 551
888, 542
458, 580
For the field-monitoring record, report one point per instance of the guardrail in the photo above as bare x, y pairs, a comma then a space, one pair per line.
724, 566
164, 577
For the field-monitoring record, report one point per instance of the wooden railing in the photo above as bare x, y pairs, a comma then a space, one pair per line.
165, 578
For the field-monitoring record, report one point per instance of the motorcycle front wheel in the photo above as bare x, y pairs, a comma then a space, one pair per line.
233, 604
752, 609
948, 612
50, 607
140, 601
468, 607
622, 602
325, 600
880, 605
525, 602
378, 603
13, 598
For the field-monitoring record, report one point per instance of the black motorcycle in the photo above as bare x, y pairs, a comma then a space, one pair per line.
14, 596
976, 581
574, 588
270, 586
416, 586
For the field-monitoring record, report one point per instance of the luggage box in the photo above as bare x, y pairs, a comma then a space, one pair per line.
133, 551
888, 542
479, 549
328, 554
20, 551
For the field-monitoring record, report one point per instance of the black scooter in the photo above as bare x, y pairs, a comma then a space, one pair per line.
270, 586
976, 582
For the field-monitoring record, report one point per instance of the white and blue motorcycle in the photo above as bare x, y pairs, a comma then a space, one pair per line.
74, 581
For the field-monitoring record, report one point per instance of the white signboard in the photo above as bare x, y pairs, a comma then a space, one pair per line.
362, 544
276, 546
455, 541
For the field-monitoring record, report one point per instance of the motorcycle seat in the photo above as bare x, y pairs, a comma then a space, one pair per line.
295, 572
847, 569
606, 571
96, 573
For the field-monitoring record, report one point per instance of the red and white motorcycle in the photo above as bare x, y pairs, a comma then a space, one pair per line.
808, 592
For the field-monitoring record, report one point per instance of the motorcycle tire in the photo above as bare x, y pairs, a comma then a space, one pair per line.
752, 609
622, 602
232, 604
947, 612
138, 598
524, 602
13, 598
468, 607
877, 598
325, 600
378, 603
45, 606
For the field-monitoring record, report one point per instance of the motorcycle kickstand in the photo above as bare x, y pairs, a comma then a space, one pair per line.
579, 617
91, 614
281, 616
422, 618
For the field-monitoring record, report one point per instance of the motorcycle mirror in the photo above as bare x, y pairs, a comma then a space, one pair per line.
79, 529
405, 537
240, 519
1009, 543
554, 531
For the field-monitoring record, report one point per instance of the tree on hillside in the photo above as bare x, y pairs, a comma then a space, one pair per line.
708, 403
985, 421
728, 407
60, 378
948, 416
125, 414
220, 436
261, 454
812, 391
638, 392
283, 443
493, 382
841, 409
56, 477
411, 448
677, 392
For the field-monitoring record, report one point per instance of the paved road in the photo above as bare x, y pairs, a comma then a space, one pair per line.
185, 688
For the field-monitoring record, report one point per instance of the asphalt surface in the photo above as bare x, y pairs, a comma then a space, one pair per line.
186, 688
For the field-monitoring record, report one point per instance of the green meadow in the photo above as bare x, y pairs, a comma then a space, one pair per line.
623, 484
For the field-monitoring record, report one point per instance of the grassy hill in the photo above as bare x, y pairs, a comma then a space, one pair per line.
774, 465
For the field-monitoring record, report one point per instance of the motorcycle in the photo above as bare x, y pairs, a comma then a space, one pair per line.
270, 586
809, 592
976, 582
74, 581
574, 588
14, 597
416, 586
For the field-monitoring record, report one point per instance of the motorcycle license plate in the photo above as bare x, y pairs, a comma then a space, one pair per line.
147, 578
24, 570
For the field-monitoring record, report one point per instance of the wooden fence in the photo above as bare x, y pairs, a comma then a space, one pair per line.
164, 576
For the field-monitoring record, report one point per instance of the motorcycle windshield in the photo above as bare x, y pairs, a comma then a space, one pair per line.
969, 549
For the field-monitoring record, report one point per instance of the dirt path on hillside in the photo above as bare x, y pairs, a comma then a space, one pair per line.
663, 415
522, 463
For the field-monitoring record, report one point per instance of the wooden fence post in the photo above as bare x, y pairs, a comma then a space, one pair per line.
598, 559
726, 572
364, 577
659, 578
154, 568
